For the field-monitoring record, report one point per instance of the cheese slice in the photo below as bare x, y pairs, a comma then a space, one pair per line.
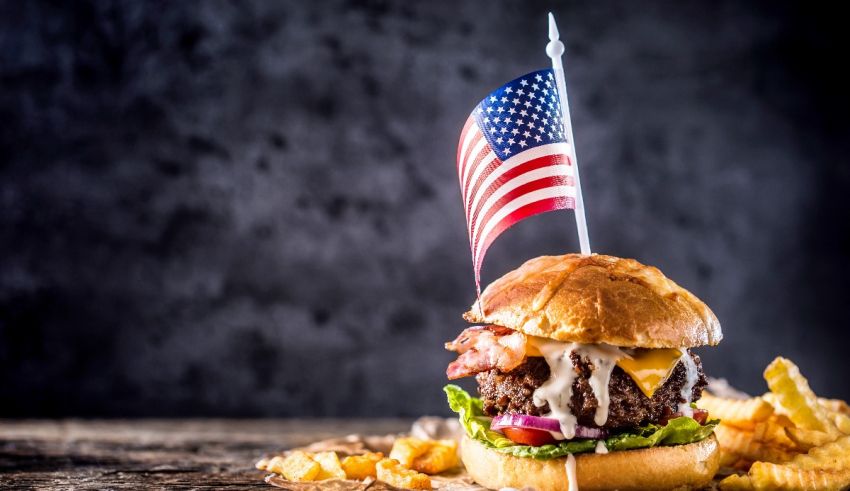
650, 368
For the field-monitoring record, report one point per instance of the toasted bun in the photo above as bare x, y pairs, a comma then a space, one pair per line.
688, 466
597, 299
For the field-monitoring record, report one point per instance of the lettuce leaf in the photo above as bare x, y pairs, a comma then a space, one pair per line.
677, 431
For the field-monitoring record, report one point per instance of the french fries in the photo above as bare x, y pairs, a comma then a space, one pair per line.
793, 392
297, 466
440, 457
803, 444
410, 462
405, 450
428, 456
835, 405
331, 468
738, 444
739, 413
393, 473
361, 467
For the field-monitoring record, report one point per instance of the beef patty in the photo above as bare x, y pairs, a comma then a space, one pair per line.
512, 392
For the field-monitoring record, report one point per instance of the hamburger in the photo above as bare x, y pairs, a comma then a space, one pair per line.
586, 379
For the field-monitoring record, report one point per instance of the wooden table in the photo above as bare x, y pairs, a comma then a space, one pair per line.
159, 454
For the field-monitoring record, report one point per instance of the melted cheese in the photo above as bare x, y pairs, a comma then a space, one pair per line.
650, 368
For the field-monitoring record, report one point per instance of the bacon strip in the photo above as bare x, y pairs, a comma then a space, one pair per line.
483, 348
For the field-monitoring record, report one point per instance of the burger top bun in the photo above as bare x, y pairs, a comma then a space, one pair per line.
597, 299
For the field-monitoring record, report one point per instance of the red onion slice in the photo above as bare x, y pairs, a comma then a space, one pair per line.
525, 421
588, 432
544, 424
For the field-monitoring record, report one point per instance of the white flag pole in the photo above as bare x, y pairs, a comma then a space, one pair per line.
554, 50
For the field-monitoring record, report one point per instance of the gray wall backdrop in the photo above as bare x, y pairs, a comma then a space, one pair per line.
251, 208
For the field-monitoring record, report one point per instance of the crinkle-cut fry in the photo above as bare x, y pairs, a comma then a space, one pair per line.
331, 468
793, 392
406, 449
806, 439
773, 431
841, 421
835, 405
832, 457
736, 483
766, 475
440, 457
742, 413
360, 467
297, 466
393, 473
742, 444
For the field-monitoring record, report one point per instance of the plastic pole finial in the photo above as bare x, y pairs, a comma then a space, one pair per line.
555, 48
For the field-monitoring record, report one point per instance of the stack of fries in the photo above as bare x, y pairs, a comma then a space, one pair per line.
409, 465
786, 439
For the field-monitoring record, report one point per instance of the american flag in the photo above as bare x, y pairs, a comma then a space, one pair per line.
512, 160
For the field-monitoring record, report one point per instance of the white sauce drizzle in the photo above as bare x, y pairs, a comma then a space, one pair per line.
691, 377
604, 358
557, 391
571, 472
600, 447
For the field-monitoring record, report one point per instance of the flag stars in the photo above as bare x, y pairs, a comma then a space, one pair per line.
521, 116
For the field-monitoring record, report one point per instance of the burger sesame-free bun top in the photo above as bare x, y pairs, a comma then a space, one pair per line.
597, 299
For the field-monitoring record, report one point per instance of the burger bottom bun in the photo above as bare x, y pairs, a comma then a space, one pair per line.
673, 467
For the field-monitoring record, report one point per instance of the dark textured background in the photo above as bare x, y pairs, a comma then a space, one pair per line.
251, 208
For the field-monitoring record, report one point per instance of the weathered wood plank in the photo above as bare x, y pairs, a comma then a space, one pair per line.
166, 454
